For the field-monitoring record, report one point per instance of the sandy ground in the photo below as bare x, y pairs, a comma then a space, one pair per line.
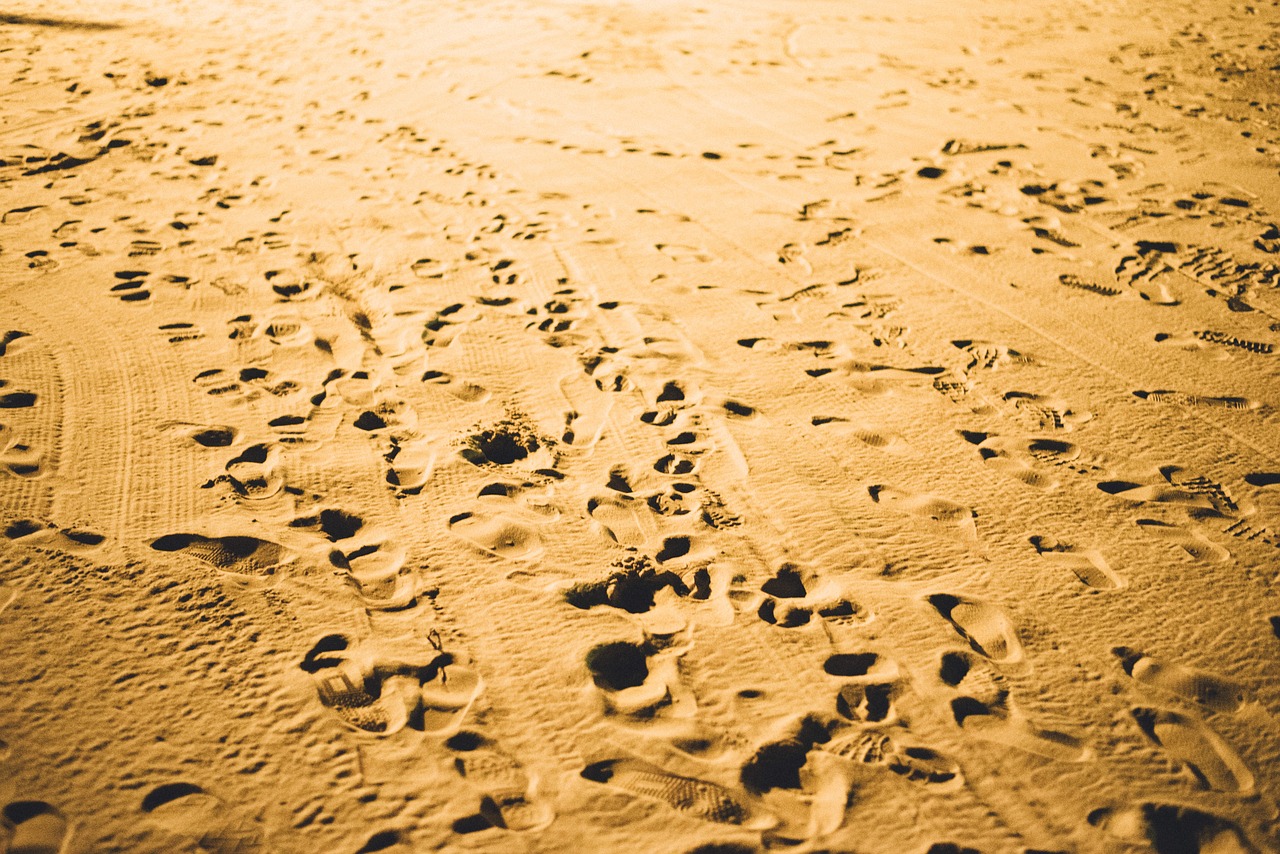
620, 427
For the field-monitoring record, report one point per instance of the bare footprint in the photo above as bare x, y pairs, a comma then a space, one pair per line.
939, 510
589, 409
1000, 726
1191, 744
987, 628
1190, 541
467, 392
1087, 564
1216, 693
187, 811
498, 534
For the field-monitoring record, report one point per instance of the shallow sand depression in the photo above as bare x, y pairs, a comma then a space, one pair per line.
662, 427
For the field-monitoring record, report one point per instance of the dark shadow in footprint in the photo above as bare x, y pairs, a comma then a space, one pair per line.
35, 827
1262, 478
334, 524
619, 665
632, 588
1171, 828
382, 840
240, 555
17, 400
775, 766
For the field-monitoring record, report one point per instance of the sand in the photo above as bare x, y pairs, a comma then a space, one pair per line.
639, 427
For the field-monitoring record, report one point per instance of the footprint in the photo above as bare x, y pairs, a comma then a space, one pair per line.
31, 532
509, 794
511, 443
242, 556
624, 519
1191, 744
682, 254
17, 458
1080, 284
989, 355
997, 725
913, 762
932, 508
131, 287
253, 475
17, 400
1049, 413
987, 628
498, 534
1172, 829
187, 811
793, 596
204, 435
633, 587
642, 680
383, 691
467, 392
697, 798
181, 333
410, 464
973, 676
589, 410
1178, 398
34, 827
1192, 542
378, 575
1216, 693
1088, 564
8, 337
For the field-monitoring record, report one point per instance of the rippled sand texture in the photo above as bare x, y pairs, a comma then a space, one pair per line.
657, 427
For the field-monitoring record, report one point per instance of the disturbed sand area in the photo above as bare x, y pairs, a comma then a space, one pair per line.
726, 426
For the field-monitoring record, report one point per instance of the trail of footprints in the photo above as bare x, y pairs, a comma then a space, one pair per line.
659, 517
661, 520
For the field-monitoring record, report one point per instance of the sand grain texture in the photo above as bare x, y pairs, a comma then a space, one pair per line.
667, 427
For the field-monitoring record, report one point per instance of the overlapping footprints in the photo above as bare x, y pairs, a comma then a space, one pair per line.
378, 688
875, 734
187, 812
985, 710
1186, 739
1168, 828
1086, 564
510, 795
793, 597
